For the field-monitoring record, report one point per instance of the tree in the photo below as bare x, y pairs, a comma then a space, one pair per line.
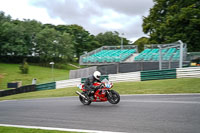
140, 42
53, 45
82, 40
172, 20
110, 38
13, 39
3, 19
31, 27
16, 37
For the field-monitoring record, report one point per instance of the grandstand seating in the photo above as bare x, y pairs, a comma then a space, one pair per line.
109, 56
153, 55
176, 55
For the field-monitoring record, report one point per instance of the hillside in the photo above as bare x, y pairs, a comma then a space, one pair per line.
11, 73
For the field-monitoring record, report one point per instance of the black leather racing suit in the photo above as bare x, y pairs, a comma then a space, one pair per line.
88, 85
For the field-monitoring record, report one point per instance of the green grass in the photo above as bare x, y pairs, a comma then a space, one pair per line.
11, 72
43, 94
169, 86
26, 130
184, 85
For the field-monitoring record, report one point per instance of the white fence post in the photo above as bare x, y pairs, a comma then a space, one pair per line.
181, 54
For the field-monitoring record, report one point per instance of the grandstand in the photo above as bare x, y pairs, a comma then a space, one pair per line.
108, 55
169, 52
151, 53
116, 59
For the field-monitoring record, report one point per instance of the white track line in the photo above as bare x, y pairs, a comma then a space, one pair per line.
7, 100
175, 94
152, 101
58, 129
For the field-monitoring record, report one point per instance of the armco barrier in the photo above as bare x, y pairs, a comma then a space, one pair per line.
158, 74
8, 92
67, 83
189, 72
46, 86
123, 77
22, 89
27, 88
140, 76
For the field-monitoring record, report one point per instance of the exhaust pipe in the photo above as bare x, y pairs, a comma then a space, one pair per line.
77, 92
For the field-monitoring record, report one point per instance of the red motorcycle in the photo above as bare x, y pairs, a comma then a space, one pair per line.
101, 95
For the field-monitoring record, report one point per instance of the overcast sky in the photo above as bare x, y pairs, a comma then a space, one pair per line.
124, 16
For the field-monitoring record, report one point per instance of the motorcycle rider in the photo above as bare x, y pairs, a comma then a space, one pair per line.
88, 85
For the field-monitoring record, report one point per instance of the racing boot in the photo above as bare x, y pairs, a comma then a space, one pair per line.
91, 98
91, 95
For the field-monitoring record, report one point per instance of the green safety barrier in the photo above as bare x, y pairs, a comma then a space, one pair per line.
46, 86
158, 74
101, 78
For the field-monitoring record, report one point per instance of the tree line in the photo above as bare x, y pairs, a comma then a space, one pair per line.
48, 42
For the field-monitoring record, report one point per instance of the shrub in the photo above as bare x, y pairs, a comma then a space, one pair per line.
24, 67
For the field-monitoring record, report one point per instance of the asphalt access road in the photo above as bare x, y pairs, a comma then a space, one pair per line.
134, 114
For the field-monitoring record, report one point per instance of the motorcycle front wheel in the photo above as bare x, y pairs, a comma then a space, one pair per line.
83, 100
113, 97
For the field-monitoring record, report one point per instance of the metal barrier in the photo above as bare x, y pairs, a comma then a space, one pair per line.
67, 83
189, 72
22, 89
46, 86
158, 74
125, 77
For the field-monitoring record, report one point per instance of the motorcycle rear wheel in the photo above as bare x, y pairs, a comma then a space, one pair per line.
115, 97
84, 101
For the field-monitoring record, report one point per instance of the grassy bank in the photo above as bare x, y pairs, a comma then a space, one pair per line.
185, 85
25, 130
169, 86
11, 72
43, 94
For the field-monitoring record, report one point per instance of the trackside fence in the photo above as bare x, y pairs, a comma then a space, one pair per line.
28, 88
67, 83
46, 86
158, 74
190, 72
124, 77
22, 89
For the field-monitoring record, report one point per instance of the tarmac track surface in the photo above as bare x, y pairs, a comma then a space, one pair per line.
134, 114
